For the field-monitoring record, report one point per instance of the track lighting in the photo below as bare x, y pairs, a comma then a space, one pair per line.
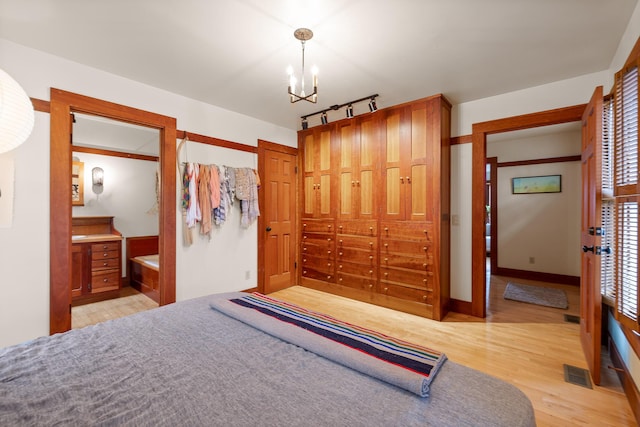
372, 104
349, 111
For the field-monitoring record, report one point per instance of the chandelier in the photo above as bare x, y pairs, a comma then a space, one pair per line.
302, 34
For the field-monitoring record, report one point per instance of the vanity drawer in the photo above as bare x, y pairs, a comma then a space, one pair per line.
105, 246
106, 263
105, 281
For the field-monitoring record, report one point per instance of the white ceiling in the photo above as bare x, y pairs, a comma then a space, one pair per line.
234, 53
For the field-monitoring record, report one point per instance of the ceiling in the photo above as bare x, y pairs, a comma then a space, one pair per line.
234, 53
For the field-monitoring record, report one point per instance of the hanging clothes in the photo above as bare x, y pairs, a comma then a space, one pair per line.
204, 196
214, 185
247, 193
193, 212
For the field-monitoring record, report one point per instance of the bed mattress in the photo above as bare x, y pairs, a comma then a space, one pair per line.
187, 364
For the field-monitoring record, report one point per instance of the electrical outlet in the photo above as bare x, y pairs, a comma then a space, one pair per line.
455, 220
532, 260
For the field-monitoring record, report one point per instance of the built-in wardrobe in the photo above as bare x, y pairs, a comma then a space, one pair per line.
374, 219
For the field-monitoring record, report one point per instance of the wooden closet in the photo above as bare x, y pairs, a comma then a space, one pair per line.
375, 209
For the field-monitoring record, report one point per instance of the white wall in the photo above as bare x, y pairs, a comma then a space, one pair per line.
24, 247
543, 227
129, 195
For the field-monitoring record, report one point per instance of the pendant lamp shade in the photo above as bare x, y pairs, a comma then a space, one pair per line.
16, 113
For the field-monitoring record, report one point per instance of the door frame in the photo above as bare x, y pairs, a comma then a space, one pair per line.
62, 105
262, 236
478, 179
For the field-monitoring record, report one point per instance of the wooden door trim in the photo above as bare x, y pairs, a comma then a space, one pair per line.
263, 146
478, 179
62, 104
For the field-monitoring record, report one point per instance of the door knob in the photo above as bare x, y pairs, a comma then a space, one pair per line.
268, 228
587, 249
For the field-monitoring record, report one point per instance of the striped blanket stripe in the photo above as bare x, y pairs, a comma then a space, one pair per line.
406, 355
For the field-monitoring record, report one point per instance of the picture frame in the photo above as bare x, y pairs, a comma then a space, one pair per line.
77, 184
536, 184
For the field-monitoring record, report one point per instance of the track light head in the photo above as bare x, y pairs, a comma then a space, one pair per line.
305, 124
372, 105
323, 118
349, 111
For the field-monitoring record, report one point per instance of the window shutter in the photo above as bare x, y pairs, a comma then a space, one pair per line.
626, 129
627, 260
607, 261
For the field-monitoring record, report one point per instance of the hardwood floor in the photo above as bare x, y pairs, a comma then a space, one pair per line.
130, 302
523, 344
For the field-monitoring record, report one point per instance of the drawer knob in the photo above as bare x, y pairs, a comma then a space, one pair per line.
304, 260
105, 254
424, 265
386, 229
304, 225
371, 244
409, 180
424, 297
105, 280
370, 271
386, 245
370, 256
424, 280
328, 239
340, 267
386, 274
370, 228
340, 253
386, 290
370, 286
304, 272
386, 260
329, 226
105, 264
329, 252
328, 264
340, 241
424, 249
340, 279
328, 277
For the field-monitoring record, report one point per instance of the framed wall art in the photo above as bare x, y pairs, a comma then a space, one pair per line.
77, 184
536, 184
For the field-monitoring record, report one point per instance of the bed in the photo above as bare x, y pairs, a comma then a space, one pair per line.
196, 363
143, 265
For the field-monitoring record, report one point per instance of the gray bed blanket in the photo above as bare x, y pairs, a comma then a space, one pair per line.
188, 365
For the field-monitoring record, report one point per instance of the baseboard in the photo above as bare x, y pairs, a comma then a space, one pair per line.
459, 306
541, 277
250, 290
630, 388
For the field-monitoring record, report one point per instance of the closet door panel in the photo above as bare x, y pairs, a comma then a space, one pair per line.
365, 186
309, 195
393, 189
325, 194
347, 186
418, 185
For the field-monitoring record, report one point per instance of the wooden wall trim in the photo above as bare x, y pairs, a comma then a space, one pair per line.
181, 134
540, 161
464, 139
100, 151
539, 276
459, 306
41, 105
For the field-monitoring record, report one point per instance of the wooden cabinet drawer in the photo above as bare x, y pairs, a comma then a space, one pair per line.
360, 228
367, 243
419, 295
312, 226
105, 281
105, 246
317, 250
318, 275
423, 263
410, 278
364, 270
356, 282
361, 256
413, 247
99, 255
106, 263
404, 230
319, 239
318, 263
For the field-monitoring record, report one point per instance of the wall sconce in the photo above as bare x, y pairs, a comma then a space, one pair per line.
97, 180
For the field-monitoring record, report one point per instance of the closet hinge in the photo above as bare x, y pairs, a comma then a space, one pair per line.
295, 169
295, 265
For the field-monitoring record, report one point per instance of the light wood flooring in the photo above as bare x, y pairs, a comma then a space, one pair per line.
523, 344
130, 302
